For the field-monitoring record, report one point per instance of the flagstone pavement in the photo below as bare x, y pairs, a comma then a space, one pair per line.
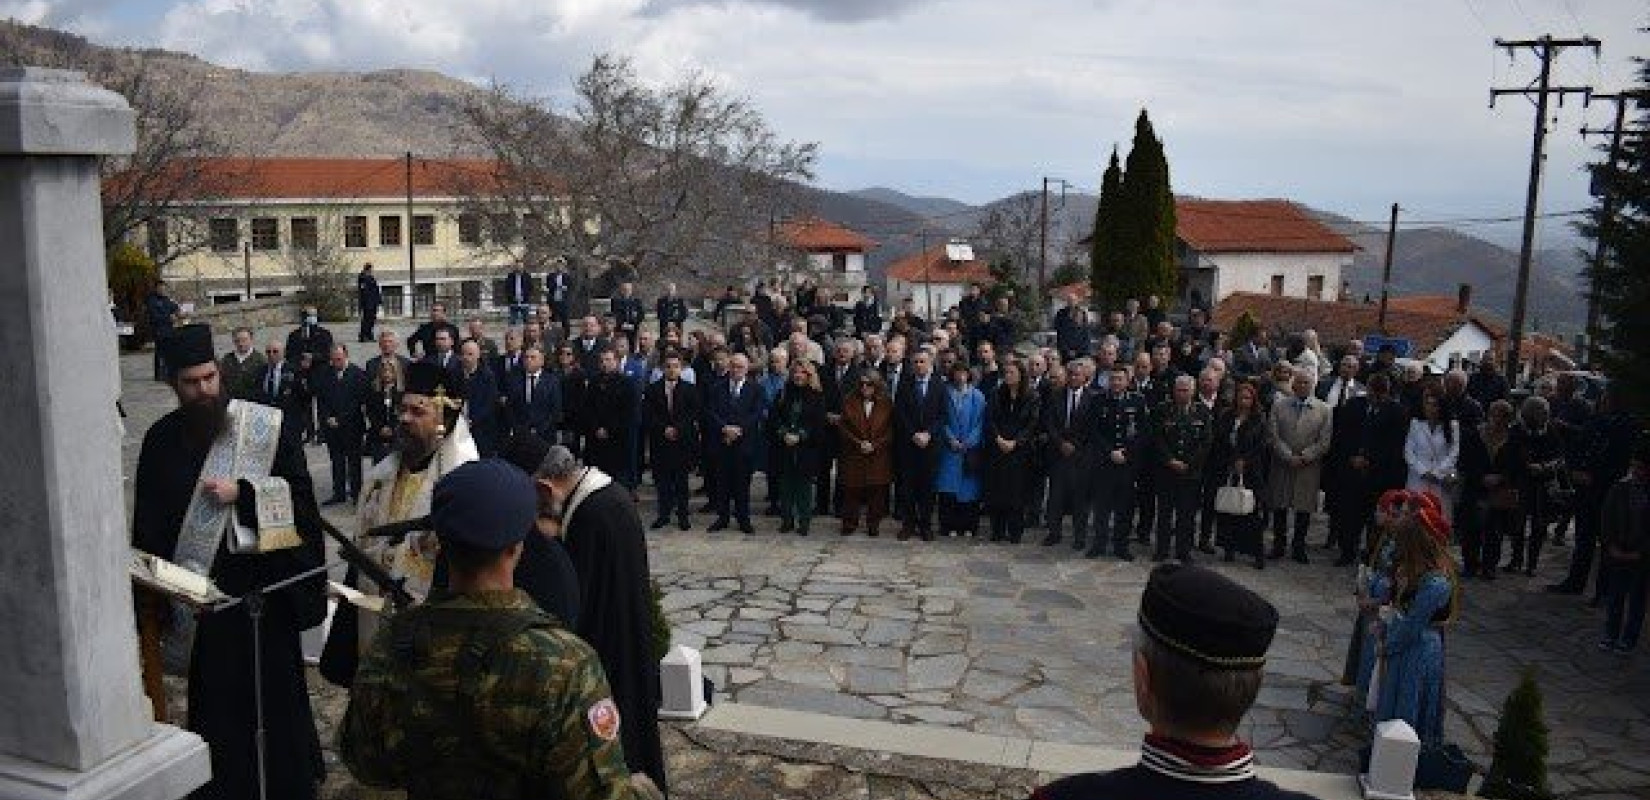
1034, 642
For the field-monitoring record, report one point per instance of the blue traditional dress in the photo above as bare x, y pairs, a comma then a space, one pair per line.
1412, 642
964, 422
1377, 589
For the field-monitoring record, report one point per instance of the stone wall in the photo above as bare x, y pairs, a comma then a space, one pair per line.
272, 312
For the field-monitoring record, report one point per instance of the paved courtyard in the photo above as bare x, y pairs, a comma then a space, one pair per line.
1034, 642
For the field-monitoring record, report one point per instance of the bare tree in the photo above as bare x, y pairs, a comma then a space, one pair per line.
1011, 230
683, 179
317, 259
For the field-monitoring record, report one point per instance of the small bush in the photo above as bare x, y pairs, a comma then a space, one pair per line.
1520, 759
132, 275
661, 626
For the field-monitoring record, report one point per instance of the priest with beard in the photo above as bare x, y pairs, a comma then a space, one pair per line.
602, 531
207, 480
431, 439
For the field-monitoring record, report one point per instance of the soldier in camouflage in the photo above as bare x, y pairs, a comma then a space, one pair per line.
477, 693
1183, 429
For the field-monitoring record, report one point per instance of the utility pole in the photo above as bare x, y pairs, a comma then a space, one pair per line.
1547, 49
246, 255
1042, 226
927, 282
1607, 211
412, 257
1386, 269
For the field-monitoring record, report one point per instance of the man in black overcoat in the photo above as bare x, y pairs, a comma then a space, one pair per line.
672, 409
919, 421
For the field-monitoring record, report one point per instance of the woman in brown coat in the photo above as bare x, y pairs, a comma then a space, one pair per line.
866, 454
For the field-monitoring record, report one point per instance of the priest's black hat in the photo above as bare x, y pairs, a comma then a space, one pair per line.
425, 378
188, 346
487, 504
526, 450
1207, 617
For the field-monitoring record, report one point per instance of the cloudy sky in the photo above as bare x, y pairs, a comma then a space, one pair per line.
1348, 105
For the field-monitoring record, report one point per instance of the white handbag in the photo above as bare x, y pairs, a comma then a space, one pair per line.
1235, 499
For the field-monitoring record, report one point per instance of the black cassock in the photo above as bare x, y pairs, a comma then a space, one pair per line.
605, 540
609, 403
221, 701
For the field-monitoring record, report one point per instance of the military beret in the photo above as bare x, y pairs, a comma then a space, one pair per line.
526, 450
188, 346
1207, 617
487, 504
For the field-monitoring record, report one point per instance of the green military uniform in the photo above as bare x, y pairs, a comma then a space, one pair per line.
1184, 435
480, 696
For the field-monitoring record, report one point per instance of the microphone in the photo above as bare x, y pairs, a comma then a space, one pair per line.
399, 530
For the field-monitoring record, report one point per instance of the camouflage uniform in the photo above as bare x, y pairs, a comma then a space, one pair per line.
480, 696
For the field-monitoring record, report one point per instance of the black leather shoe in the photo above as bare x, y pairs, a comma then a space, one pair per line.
721, 524
1053, 538
1299, 556
1122, 555
785, 525
745, 526
659, 523
682, 522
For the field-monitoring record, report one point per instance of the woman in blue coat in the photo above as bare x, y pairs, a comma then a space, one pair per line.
1409, 632
772, 383
957, 479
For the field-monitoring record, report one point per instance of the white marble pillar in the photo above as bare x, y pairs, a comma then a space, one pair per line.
73, 719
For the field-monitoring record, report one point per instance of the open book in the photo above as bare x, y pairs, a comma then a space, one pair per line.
174, 581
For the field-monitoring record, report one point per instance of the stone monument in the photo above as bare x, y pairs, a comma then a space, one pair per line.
73, 719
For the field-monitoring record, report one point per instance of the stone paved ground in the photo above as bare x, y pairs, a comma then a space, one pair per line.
1027, 641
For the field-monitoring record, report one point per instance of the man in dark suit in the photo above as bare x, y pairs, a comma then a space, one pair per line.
341, 391
608, 418
508, 362
369, 298
518, 292
1372, 429
556, 290
535, 398
276, 385
734, 433
589, 344
671, 407
481, 405
867, 312
388, 344
443, 355
671, 310
835, 380
1064, 410
919, 421
309, 337
422, 342
628, 313
1071, 330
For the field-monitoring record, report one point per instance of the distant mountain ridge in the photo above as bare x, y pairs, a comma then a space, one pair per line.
388, 112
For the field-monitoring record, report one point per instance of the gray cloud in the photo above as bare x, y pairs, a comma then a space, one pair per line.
839, 11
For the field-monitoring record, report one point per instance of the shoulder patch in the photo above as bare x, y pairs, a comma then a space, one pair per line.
604, 719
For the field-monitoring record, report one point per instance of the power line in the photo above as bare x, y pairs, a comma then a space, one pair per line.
1547, 49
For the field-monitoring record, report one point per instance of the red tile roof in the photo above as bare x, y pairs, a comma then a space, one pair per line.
1254, 226
1338, 322
818, 235
931, 266
329, 178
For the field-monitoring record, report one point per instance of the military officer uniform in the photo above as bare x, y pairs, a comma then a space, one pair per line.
481, 694
1184, 435
1118, 423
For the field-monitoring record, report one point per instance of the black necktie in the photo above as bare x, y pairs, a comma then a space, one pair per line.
532, 382
1071, 406
274, 380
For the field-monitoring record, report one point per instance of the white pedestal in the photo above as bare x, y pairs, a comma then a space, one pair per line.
1392, 761
169, 764
682, 680
73, 719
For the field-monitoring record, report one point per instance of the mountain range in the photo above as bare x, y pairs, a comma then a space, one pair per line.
390, 112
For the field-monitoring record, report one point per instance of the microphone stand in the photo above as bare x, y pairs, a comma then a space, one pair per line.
254, 601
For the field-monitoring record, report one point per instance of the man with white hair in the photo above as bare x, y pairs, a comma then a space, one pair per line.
1301, 426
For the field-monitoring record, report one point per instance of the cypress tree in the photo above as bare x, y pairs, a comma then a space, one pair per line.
1149, 218
1104, 246
1622, 282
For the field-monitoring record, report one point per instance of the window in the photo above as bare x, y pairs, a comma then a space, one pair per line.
304, 235
266, 233
423, 229
1314, 287
469, 229
1277, 285
225, 233
389, 231
355, 231
503, 228
160, 241
225, 299
839, 262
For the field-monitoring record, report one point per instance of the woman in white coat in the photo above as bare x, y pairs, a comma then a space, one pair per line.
1431, 450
